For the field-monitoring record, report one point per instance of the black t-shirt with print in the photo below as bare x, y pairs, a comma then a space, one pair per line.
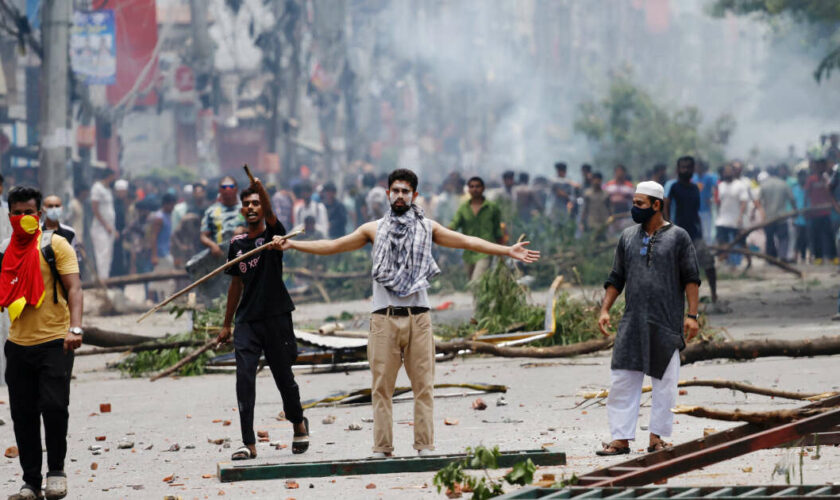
264, 294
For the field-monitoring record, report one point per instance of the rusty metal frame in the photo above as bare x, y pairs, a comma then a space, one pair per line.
713, 448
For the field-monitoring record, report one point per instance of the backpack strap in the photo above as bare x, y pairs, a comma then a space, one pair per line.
49, 256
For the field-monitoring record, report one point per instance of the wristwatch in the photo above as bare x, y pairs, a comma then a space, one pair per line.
692, 316
76, 331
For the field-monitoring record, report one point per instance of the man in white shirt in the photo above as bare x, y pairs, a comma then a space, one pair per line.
733, 196
311, 208
102, 229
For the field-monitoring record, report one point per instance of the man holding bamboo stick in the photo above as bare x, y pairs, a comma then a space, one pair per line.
263, 320
400, 324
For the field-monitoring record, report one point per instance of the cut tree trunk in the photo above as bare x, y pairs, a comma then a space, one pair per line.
754, 417
752, 349
556, 351
104, 338
794, 213
749, 253
139, 347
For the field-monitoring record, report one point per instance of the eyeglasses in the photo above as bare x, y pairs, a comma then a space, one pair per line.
228, 186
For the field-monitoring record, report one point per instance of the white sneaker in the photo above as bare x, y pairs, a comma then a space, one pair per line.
381, 454
425, 453
56, 487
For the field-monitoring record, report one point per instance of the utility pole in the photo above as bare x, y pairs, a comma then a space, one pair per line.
55, 134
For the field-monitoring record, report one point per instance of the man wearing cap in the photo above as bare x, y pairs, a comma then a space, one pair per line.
655, 263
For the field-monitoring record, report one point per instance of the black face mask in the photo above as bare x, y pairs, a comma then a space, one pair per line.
641, 215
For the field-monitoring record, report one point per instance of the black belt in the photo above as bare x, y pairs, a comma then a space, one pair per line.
401, 311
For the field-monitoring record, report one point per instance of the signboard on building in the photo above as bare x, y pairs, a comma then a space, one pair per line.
93, 47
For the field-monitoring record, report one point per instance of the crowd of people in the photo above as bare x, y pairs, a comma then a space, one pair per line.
152, 224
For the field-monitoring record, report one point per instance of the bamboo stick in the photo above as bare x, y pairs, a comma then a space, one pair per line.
215, 272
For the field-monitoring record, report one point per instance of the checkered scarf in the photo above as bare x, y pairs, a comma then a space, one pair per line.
402, 252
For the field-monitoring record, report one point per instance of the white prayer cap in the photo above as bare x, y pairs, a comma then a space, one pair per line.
188, 188
121, 185
651, 188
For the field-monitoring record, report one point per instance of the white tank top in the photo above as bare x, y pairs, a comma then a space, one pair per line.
382, 297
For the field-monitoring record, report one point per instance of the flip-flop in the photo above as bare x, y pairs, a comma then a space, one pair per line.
300, 442
661, 445
243, 453
615, 450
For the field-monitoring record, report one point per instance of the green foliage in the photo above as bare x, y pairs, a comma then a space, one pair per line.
577, 320
629, 126
453, 476
205, 325
821, 18
502, 302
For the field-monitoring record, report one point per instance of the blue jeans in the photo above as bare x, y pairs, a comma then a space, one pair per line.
726, 235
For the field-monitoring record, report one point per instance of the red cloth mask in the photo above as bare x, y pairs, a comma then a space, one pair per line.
21, 282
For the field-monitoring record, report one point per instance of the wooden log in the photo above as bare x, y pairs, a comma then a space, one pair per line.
770, 259
106, 338
131, 279
156, 346
752, 349
556, 351
761, 225
188, 359
775, 417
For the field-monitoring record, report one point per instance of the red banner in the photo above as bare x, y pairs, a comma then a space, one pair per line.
137, 36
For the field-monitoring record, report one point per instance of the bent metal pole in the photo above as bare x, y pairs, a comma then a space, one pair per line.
216, 271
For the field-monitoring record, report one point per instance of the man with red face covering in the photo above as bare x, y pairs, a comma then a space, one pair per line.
44, 299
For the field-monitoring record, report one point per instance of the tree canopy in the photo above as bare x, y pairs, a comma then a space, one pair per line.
820, 17
629, 126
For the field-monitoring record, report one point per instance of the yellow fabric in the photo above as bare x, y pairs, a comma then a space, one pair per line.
50, 321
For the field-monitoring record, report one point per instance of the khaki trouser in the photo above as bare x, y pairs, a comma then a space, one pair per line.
394, 340
474, 271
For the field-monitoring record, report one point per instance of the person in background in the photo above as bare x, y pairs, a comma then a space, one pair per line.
283, 203
818, 194
196, 203
336, 211
376, 200
481, 218
596, 208
732, 205
160, 242
586, 175
684, 199
122, 205
775, 196
800, 223
53, 210
313, 208
5, 232
564, 193
221, 219
102, 230
707, 183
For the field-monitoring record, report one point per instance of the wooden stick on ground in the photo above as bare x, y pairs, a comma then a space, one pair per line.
751, 389
754, 417
555, 351
752, 349
728, 384
192, 357
213, 273
770, 259
761, 225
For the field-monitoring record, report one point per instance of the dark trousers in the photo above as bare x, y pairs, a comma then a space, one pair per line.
726, 235
822, 238
774, 232
39, 387
801, 243
274, 337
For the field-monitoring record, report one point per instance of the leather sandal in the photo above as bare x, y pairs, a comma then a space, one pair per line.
300, 442
658, 446
610, 450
